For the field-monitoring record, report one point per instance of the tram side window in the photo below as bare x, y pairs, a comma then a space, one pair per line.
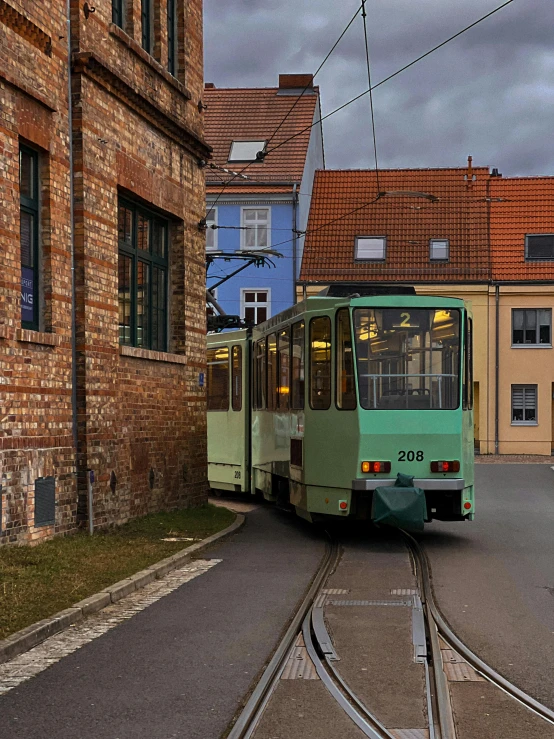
218, 379
272, 372
297, 366
320, 363
259, 375
468, 366
284, 369
236, 379
345, 385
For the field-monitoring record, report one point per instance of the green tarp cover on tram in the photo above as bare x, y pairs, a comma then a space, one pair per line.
401, 505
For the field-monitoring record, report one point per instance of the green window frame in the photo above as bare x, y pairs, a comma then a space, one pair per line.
172, 37
272, 373
143, 239
118, 13
320, 363
236, 378
345, 378
297, 366
29, 213
218, 379
259, 375
146, 20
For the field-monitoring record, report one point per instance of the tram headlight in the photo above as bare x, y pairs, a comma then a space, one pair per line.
376, 467
443, 466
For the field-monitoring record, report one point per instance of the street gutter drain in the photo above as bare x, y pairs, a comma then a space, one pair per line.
370, 603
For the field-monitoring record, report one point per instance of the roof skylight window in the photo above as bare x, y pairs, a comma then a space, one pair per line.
371, 248
245, 151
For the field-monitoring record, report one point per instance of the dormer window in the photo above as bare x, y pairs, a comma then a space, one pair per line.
539, 247
370, 248
439, 250
246, 151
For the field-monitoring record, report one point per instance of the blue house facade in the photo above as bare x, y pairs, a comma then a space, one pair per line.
260, 212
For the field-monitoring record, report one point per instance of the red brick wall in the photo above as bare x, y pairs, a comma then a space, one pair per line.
35, 367
137, 131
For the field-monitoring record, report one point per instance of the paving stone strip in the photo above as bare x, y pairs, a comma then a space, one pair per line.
59, 646
28, 638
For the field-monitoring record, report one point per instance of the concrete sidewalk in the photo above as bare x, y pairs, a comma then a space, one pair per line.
181, 666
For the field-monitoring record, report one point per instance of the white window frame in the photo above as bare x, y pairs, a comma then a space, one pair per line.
211, 219
382, 239
244, 224
524, 388
256, 304
439, 242
257, 145
537, 329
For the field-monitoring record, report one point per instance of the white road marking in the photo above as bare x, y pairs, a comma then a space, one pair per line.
27, 665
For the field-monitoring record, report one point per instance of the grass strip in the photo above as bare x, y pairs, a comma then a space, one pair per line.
37, 582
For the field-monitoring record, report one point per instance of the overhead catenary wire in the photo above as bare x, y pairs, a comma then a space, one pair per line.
350, 102
261, 155
318, 70
390, 77
368, 65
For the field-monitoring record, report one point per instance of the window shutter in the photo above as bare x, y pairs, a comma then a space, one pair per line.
530, 394
517, 398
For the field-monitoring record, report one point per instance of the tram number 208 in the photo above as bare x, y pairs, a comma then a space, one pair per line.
410, 456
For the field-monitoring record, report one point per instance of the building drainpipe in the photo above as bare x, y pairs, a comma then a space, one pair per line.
496, 366
294, 239
72, 248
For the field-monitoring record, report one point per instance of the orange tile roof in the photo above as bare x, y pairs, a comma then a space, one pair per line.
520, 206
255, 113
460, 215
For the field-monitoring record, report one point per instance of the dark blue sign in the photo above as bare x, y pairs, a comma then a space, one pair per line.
27, 294
201, 379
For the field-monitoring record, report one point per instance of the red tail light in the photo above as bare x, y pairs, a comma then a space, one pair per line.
442, 466
375, 466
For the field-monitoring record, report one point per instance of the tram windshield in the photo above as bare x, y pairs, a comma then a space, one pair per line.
408, 358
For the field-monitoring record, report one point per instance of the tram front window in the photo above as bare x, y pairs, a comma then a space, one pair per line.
408, 358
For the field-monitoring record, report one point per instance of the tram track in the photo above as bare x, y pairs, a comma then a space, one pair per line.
443, 630
308, 629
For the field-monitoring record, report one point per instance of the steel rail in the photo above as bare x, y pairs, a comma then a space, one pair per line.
347, 700
248, 718
470, 657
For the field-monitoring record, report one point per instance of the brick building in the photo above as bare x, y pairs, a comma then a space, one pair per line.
135, 415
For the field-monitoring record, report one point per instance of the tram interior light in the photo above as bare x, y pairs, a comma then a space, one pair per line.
443, 466
376, 467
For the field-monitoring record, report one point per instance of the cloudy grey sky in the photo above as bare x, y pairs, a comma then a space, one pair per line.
489, 93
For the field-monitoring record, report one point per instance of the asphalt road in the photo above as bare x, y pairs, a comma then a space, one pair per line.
494, 577
181, 667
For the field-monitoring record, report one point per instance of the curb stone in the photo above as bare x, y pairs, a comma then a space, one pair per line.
29, 637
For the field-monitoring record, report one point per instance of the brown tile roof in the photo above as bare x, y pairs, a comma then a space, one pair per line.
520, 206
460, 215
255, 113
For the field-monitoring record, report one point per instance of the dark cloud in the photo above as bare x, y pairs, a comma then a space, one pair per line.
489, 93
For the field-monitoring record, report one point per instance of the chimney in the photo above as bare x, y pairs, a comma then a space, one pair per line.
296, 81
496, 173
209, 86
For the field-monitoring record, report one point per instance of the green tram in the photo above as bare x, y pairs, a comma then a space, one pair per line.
330, 399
